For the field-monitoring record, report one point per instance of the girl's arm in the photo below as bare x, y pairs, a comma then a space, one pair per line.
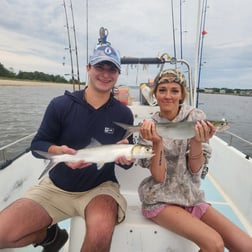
203, 132
158, 164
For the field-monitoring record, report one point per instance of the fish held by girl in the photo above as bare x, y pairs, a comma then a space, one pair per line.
175, 130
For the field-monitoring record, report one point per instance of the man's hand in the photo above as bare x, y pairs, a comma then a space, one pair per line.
64, 149
123, 160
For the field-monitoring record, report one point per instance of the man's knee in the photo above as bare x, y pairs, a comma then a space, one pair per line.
8, 234
7, 239
103, 230
98, 239
101, 212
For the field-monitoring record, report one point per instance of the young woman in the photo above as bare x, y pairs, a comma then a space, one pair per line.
171, 196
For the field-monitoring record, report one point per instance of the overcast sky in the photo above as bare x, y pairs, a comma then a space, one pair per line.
34, 35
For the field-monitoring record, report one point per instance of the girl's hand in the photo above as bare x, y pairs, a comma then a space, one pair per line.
148, 131
204, 130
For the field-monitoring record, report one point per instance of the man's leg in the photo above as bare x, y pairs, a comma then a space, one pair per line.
23, 222
55, 239
100, 218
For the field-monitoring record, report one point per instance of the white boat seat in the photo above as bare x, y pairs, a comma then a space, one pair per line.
135, 233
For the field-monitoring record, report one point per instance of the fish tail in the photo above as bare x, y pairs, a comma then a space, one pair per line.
128, 133
51, 164
129, 129
48, 168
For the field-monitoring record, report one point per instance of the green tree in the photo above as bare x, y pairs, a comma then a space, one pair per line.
5, 72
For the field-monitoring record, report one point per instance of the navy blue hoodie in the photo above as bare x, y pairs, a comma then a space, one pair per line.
70, 120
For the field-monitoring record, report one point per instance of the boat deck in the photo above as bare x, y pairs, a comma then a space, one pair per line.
137, 233
217, 198
136, 223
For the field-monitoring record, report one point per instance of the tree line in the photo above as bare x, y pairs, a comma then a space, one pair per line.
37, 76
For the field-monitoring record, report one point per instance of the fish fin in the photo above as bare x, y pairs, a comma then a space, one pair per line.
93, 143
100, 165
127, 134
129, 128
48, 168
44, 154
122, 125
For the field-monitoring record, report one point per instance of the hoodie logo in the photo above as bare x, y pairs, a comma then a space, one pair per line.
108, 130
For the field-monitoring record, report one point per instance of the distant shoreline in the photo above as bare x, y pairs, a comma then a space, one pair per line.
8, 82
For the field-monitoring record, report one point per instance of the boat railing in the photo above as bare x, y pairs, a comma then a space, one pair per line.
161, 61
231, 139
232, 135
14, 150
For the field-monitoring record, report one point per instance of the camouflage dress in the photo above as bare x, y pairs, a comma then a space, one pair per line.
181, 186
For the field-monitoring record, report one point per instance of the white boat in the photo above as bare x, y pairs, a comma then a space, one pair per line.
227, 186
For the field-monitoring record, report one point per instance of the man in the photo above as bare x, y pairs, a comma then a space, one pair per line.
70, 123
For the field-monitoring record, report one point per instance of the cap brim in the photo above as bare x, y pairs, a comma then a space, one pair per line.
104, 58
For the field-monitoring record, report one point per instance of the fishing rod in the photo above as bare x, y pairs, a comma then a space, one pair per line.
69, 46
181, 29
75, 45
202, 35
199, 47
87, 31
173, 30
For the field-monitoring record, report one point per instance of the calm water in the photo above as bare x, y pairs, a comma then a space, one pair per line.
237, 110
22, 108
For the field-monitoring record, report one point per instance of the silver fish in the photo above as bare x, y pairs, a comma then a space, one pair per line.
98, 154
174, 130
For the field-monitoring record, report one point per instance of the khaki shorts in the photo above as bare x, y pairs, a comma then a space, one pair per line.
61, 204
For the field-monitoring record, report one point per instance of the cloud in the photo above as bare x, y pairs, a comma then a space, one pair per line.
34, 34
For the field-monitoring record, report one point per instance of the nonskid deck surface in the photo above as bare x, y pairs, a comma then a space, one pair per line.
218, 200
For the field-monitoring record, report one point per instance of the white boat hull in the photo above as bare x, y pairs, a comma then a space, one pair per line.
233, 172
